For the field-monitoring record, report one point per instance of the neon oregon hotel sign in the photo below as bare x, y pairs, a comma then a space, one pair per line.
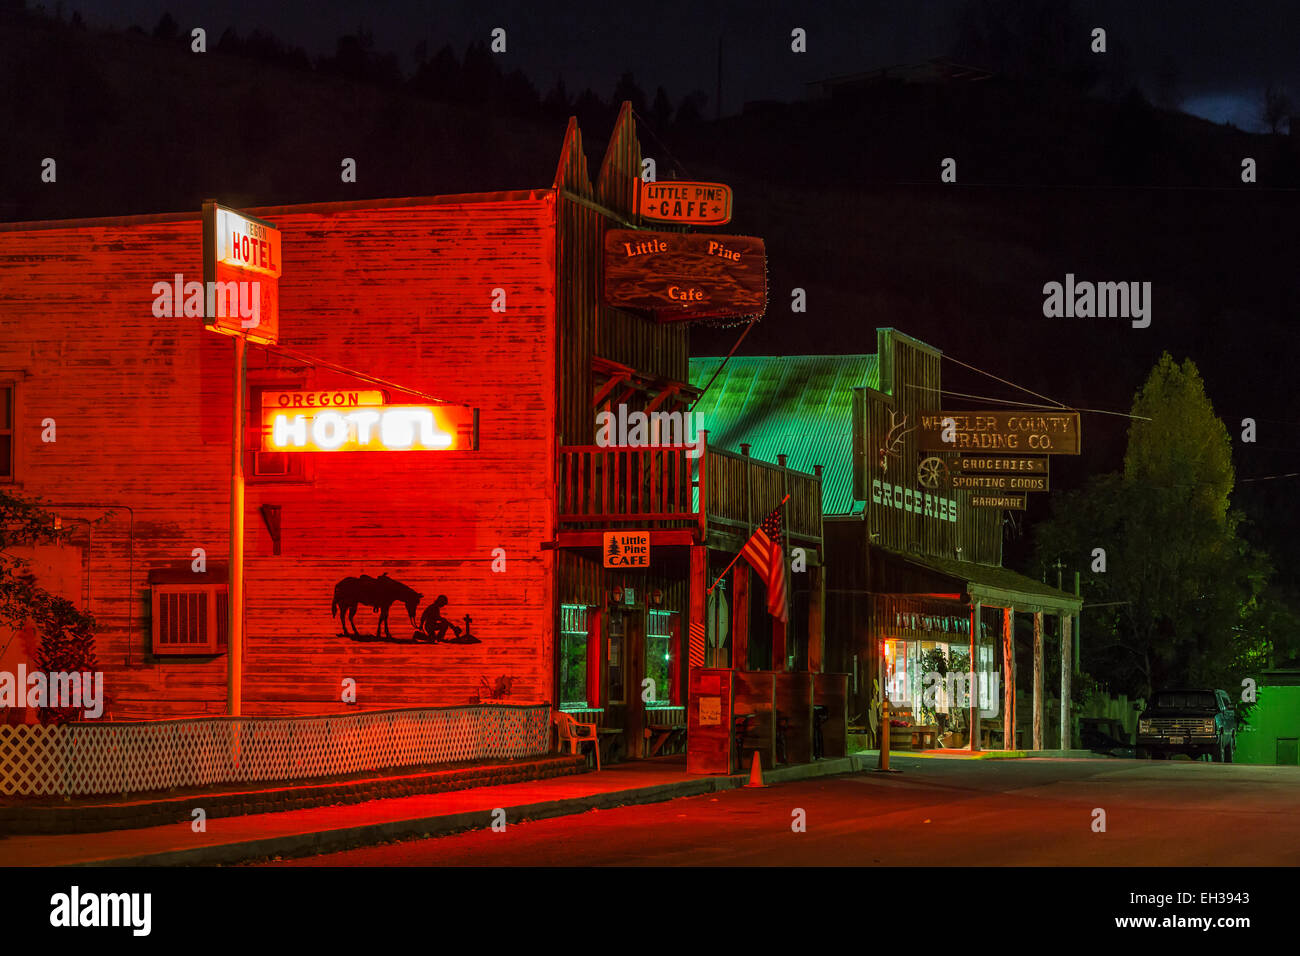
370, 428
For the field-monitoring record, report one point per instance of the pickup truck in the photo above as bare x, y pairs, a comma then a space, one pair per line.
1197, 722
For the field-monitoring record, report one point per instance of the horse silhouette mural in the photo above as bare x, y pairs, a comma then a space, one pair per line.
379, 593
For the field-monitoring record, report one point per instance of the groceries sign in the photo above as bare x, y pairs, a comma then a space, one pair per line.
241, 268
698, 204
1033, 433
678, 276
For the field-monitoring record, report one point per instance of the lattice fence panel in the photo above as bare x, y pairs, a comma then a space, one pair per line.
90, 758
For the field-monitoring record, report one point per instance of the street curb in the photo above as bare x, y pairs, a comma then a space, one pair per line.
43, 819
344, 838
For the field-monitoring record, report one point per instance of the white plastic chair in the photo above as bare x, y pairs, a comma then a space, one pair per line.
576, 734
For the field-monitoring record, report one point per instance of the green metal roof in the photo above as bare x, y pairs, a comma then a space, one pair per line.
797, 405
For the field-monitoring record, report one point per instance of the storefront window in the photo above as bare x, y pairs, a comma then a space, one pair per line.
573, 655
658, 655
896, 672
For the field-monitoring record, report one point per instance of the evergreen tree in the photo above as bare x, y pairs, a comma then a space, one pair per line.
1179, 600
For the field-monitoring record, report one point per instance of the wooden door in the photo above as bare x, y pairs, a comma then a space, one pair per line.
636, 720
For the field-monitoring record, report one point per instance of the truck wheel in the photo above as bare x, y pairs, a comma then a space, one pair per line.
1216, 756
1142, 753
1227, 758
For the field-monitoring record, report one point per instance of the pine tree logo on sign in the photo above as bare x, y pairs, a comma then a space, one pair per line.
627, 549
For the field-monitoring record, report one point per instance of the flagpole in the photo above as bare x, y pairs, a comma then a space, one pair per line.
737, 557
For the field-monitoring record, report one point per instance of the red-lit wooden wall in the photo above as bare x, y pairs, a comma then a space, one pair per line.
400, 289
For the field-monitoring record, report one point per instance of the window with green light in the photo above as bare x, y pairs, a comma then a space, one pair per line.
573, 655
658, 654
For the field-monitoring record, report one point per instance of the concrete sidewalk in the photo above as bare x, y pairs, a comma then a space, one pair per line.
326, 829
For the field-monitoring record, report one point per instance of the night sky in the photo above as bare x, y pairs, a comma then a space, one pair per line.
1222, 53
846, 194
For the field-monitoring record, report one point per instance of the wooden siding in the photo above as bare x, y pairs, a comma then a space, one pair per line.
654, 349
589, 328
142, 406
910, 382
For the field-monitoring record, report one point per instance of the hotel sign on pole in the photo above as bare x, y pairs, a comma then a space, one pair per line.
241, 272
688, 203
1031, 433
682, 276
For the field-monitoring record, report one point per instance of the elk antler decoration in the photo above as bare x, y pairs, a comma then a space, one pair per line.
893, 440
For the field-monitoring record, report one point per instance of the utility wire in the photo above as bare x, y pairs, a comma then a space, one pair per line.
1006, 401
310, 360
650, 129
723, 364
1050, 401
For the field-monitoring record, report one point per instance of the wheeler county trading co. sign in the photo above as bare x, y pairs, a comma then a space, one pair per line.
679, 276
1037, 433
696, 204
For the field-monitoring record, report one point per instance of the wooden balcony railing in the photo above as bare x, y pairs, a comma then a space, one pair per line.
741, 491
626, 486
659, 487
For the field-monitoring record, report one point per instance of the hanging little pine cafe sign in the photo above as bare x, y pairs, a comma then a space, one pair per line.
678, 276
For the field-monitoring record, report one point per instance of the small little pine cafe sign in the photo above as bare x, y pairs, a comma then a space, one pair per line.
627, 549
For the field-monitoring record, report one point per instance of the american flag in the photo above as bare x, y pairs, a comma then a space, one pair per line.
764, 552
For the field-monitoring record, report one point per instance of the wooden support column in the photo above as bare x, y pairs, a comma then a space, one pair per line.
816, 618
1067, 667
1008, 678
699, 603
740, 618
972, 686
1038, 680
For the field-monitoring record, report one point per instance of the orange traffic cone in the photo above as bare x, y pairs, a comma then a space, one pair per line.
756, 772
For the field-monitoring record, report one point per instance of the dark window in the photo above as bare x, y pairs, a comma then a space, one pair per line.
1194, 700
270, 465
7, 451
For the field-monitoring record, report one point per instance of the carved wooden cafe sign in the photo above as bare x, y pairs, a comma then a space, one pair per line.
679, 276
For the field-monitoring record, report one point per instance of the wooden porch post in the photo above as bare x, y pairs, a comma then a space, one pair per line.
972, 686
1067, 666
816, 617
1038, 680
699, 603
740, 618
779, 628
1009, 678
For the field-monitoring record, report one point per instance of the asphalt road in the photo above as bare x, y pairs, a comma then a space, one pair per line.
936, 812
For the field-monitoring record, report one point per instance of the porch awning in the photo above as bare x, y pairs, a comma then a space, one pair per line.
995, 586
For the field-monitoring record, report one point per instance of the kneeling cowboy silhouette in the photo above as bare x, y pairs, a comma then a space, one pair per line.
433, 624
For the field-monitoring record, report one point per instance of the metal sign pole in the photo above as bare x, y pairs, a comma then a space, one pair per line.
235, 646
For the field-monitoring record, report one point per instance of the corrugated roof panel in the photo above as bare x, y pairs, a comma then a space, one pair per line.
797, 405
